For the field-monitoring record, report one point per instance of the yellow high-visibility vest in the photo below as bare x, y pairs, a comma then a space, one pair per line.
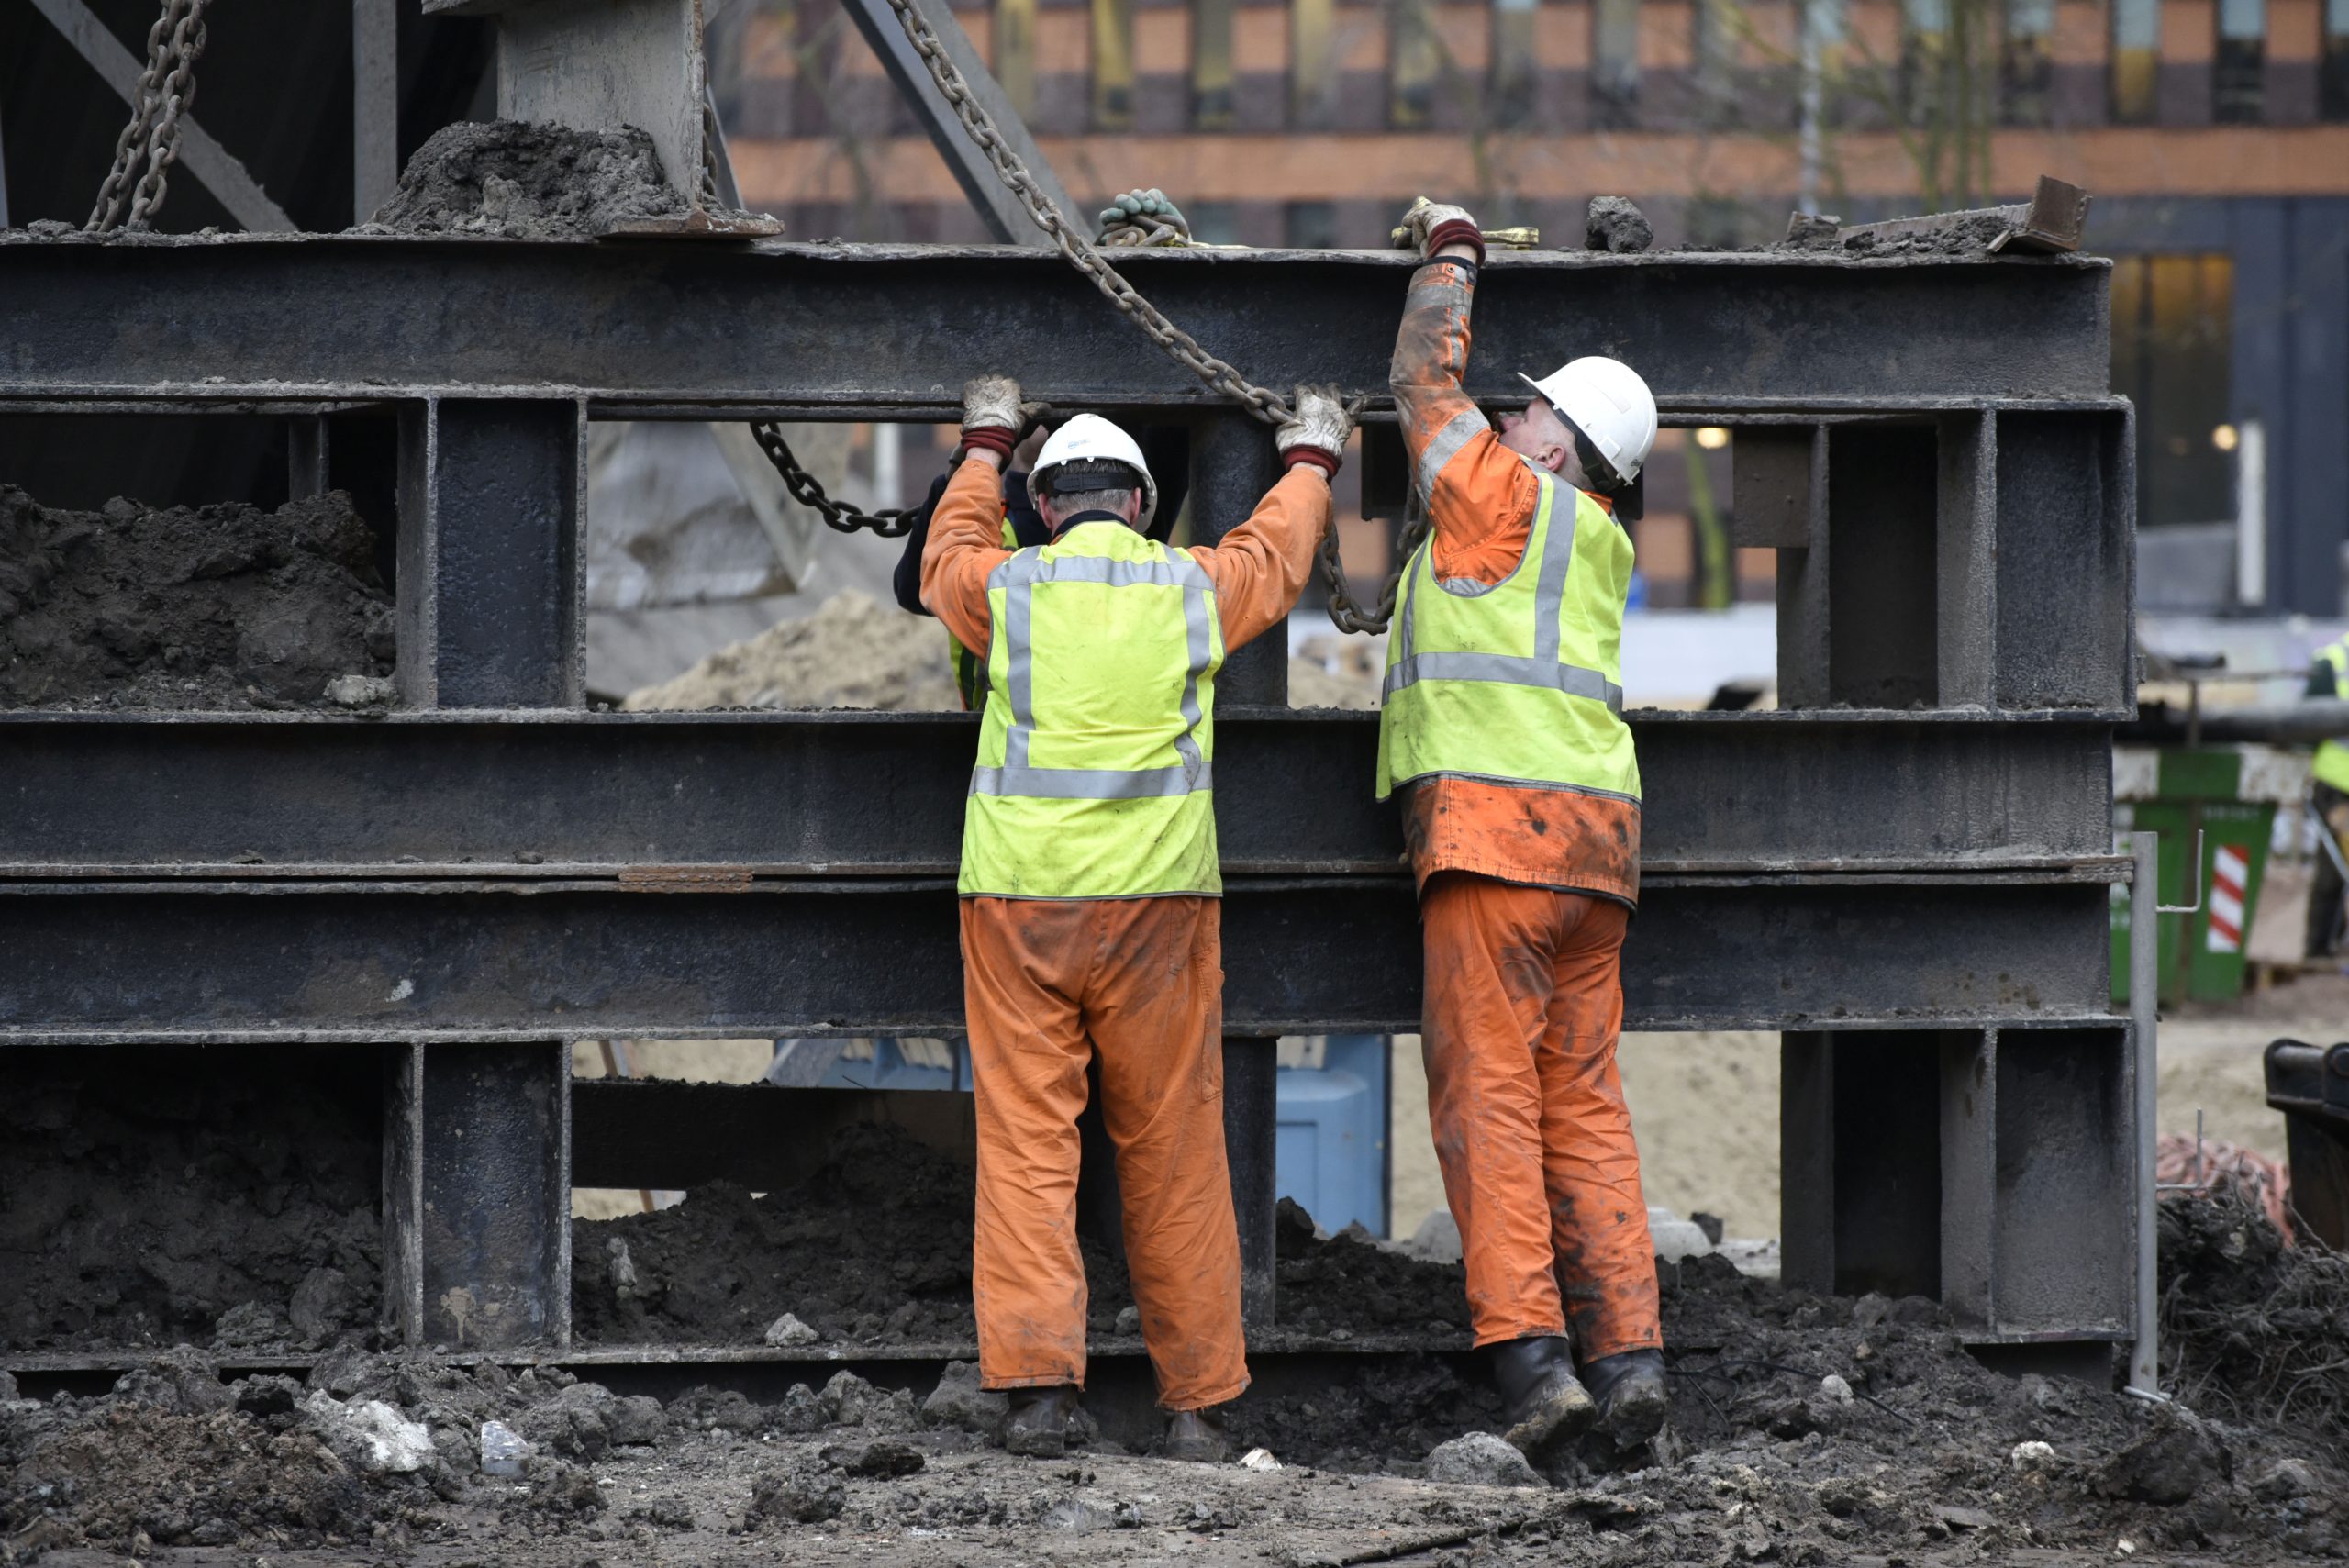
2331, 765
1095, 767
1518, 681
970, 674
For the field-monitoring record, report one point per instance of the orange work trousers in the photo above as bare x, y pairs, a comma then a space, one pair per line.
1048, 985
1524, 1002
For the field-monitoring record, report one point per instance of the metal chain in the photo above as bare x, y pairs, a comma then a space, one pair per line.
179, 93
1345, 611
809, 491
1264, 404
130, 147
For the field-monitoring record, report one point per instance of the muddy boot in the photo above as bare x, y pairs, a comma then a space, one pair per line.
1542, 1399
1198, 1436
1630, 1395
1036, 1424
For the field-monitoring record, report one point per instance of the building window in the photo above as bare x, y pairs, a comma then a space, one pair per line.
1113, 65
2136, 59
1214, 223
2238, 76
1213, 83
1513, 57
1415, 60
1015, 53
1309, 225
1615, 63
2173, 346
2332, 87
2026, 64
1313, 67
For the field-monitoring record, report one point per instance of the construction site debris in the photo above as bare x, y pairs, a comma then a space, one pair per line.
224, 607
1616, 224
1480, 1459
146, 1197
2253, 1328
514, 180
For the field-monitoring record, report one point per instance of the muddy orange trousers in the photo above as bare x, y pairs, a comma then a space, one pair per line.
1523, 1006
1048, 985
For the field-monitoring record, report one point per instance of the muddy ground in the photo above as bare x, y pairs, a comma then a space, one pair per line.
873, 1249
1804, 1430
222, 606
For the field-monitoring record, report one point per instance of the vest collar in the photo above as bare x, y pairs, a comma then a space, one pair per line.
1095, 516
1605, 504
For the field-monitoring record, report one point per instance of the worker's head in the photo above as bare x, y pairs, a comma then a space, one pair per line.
1090, 466
1592, 423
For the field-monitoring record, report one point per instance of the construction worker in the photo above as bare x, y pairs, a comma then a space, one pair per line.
1501, 726
1091, 914
1168, 449
2329, 798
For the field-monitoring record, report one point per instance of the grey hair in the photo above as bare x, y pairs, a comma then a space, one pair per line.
1069, 503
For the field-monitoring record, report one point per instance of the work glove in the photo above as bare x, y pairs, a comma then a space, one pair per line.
1143, 217
1428, 226
1316, 432
992, 416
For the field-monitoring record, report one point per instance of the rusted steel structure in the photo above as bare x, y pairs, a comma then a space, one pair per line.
1906, 868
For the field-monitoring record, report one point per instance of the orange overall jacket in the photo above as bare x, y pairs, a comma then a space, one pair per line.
1524, 897
1050, 984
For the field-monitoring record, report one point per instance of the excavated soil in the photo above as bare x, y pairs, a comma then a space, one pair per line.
853, 653
512, 180
874, 1249
147, 1197
224, 607
1804, 1430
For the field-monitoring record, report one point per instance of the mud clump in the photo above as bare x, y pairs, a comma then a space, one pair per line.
1349, 1282
147, 1197
223, 607
1616, 224
514, 180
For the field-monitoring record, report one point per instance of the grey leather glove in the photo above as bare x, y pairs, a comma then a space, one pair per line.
1316, 432
1428, 226
992, 416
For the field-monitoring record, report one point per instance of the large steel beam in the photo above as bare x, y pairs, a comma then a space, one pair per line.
453, 961
648, 326
882, 793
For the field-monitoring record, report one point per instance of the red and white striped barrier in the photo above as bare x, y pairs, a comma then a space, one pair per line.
2230, 873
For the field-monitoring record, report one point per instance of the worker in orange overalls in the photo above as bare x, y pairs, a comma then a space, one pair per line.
1501, 725
1092, 915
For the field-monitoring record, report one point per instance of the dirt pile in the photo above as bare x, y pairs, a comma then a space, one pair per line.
225, 607
2251, 1327
853, 653
513, 180
145, 1199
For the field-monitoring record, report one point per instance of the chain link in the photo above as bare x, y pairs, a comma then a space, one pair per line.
1345, 611
179, 93
809, 491
130, 147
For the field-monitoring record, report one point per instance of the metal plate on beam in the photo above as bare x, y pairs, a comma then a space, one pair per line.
95, 963
861, 794
795, 326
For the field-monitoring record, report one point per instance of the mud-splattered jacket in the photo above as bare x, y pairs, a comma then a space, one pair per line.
1481, 497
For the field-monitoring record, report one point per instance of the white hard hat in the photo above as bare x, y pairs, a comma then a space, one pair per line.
1608, 402
1089, 438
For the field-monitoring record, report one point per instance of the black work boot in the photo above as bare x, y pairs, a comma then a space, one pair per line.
1036, 1424
1199, 1435
1631, 1394
1542, 1398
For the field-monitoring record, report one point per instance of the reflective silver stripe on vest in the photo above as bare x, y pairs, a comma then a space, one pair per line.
1543, 669
1018, 576
1457, 432
1091, 783
1571, 679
